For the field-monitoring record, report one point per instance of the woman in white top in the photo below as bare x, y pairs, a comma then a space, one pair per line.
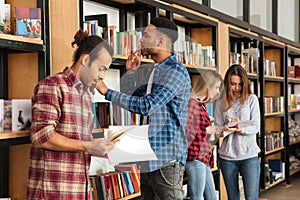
239, 150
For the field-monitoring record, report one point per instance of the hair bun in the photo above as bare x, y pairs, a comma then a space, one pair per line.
79, 37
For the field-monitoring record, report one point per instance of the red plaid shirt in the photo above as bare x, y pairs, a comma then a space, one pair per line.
60, 105
199, 144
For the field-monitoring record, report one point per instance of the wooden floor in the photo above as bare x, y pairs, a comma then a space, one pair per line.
279, 192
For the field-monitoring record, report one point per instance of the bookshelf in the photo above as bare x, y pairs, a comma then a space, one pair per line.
292, 141
35, 58
23, 62
273, 115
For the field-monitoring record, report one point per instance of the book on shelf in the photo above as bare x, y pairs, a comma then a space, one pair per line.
4, 17
21, 114
101, 23
7, 116
28, 22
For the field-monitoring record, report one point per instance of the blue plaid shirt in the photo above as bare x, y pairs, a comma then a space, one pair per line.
166, 107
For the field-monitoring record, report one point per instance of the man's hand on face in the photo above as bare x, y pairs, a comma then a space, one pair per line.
101, 87
133, 62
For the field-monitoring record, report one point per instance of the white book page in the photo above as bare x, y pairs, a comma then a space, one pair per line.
134, 145
240, 123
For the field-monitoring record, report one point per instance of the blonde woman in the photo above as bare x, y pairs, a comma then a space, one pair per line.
208, 86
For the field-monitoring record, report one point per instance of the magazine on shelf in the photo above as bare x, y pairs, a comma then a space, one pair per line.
28, 22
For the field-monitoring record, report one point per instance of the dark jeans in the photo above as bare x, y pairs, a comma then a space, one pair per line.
164, 183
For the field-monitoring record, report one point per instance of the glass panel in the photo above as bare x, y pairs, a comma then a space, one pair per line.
288, 19
233, 8
261, 14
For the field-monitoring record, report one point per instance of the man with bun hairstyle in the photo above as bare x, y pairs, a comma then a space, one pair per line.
62, 122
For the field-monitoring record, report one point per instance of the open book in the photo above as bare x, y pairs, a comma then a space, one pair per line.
133, 144
240, 123
116, 133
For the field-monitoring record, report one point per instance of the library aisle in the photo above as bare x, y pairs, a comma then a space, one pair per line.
279, 192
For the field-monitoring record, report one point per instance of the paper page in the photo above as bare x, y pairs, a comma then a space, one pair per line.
134, 145
226, 133
240, 123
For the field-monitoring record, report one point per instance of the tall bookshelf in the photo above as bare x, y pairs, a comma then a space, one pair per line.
292, 142
23, 62
272, 91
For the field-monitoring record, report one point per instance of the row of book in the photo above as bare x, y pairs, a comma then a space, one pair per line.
274, 104
190, 53
106, 113
15, 115
270, 67
116, 185
273, 140
247, 59
26, 23
195, 54
294, 71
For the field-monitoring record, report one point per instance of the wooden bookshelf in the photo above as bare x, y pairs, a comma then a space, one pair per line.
12, 135
131, 196
20, 39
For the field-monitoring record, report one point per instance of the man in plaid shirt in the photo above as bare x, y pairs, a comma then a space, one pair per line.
163, 100
62, 120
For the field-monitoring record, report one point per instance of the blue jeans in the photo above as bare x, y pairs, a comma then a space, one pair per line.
200, 181
249, 170
164, 183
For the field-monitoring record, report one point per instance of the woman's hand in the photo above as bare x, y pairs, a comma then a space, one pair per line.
212, 130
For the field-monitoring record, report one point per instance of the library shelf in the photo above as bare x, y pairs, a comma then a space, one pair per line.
15, 134
294, 80
294, 171
294, 143
294, 111
131, 196
274, 151
252, 75
274, 78
275, 183
274, 114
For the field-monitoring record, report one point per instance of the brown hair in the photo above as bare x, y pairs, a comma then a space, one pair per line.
89, 45
236, 70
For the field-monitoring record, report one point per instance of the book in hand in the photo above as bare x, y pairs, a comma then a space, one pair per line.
133, 144
115, 135
232, 126
240, 123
